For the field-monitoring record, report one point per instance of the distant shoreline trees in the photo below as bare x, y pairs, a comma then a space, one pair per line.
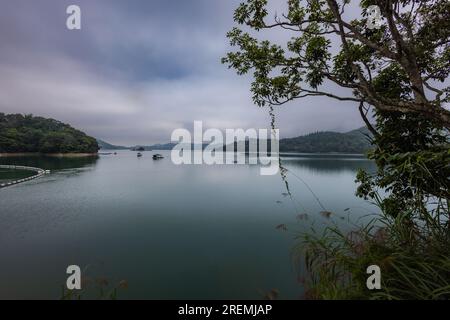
26, 133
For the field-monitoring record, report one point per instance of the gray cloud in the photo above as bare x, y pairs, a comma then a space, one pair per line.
138, 70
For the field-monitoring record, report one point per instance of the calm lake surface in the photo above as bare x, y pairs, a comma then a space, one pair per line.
171, 232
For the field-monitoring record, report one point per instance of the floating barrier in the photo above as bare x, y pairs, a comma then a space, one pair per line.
39, 173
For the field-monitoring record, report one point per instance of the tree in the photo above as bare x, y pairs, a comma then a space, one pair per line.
400, 71
411, 50
25, 133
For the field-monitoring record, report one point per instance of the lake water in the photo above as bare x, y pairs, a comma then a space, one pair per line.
170, 232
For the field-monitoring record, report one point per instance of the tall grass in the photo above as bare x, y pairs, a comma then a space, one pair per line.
413, 254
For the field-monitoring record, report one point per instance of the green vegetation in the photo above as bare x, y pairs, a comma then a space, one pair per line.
410, 241
94, 288
413, 266
400, 73
25, 133
356, 141
103, 145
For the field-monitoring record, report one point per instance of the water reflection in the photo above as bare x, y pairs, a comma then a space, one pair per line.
330, 165
173, 232
50, 163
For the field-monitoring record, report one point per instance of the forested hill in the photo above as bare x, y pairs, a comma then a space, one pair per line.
108, 146
25, 133
355, 141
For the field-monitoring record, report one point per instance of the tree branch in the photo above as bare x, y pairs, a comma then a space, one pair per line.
366, 121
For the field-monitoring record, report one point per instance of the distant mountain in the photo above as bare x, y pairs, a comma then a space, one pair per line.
107, 146
166, 146
26, 133
355, 141
141, 148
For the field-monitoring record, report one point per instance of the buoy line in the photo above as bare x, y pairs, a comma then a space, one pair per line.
39, 173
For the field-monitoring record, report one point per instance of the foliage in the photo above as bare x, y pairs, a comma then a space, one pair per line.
411, 240
338, 261
413, 161
107, 146
25, 133
401, 71
356, 141
95, 289
411, 50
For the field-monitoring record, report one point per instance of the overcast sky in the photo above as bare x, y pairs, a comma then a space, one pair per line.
138, 69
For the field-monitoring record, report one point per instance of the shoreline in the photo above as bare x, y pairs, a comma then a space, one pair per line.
54, 155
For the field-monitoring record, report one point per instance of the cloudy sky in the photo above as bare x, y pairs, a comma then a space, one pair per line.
138, 69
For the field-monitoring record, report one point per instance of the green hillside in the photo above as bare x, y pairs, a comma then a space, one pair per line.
355, 141
25, 133
103, 145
